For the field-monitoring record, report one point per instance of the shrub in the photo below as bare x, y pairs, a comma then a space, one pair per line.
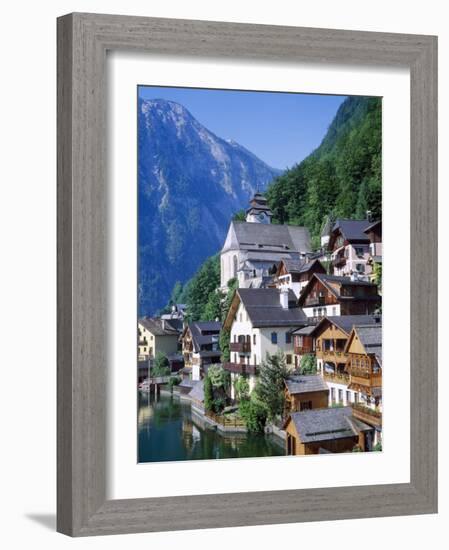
378, 446
161, 366
254, 414
208, 394
308, 364
241, 388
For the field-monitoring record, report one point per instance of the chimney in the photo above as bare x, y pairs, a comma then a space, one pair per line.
283, 297
369, 216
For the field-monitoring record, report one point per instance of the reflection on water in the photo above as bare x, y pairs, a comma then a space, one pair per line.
167, 431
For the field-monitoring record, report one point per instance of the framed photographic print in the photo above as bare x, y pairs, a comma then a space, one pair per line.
246, 274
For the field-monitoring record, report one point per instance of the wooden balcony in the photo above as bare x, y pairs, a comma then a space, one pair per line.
240, 347
241, 368
336, 356
366, 414
337, 377
317, 301
302, 350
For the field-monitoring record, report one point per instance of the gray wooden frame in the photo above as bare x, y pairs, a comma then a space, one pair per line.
83, 40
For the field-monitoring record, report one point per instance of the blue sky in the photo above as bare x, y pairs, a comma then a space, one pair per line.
280, 128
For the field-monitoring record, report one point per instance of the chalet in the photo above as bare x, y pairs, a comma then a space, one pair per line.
330, 337
260, 321
364, 366
156, 335
200, 347
252, 247
303, 343
374, 233
295, 274
349, 247
334, 295
304, 392
332, 430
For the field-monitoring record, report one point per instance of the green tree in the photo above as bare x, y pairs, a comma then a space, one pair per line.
254, 414
378, 275
241, 388
239, 216
308, 364
225, 338
212, 309
270, 387
161, 366
208, 394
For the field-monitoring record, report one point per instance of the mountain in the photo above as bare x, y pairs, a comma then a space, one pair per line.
190, 183
341, 178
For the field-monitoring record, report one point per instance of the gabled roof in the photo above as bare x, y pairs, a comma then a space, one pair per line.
199, 331
346, 322
299, 265
351, 230
158, 327
264, 308
326, 424
305, 383
370, 336
334, 284
373, 226
267, 237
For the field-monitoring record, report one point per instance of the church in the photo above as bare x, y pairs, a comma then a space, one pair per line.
254, 248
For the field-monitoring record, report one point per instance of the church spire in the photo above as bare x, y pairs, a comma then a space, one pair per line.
259, 211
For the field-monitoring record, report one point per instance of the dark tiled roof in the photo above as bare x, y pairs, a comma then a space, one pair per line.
264, 308
305, 383
304, 331
326, 424
158, 327
371, 338
346, 322
352, 230
371, 226
260, 236
198, 330
299, 266
345, 282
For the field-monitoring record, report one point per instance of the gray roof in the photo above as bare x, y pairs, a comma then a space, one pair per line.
327, 424
371, 338
159, 327
372, 225
264, 308
346, 322
198, 330
304, 331
303, 383
299, 265
352, 230
268, 237
197, 392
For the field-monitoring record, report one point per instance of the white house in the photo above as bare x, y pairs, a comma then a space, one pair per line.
260, 321
200, 347
254, 246
350, 248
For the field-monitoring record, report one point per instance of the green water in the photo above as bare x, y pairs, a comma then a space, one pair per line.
168, 431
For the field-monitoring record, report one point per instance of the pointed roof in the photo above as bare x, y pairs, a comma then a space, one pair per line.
334, 283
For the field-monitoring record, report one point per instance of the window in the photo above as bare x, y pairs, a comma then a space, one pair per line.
235, 266
254, 339
348, 397
334, 311
274, 337
288, 338
333, 395
305, 405
359, 251
360, 268
288, 358
340, 396
255, 359
356, 397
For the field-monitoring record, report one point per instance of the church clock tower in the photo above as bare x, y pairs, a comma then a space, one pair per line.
259, 211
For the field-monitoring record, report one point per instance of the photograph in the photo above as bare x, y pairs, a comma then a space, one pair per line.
259, 265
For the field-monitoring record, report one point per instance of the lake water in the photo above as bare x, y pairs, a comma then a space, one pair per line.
167, 431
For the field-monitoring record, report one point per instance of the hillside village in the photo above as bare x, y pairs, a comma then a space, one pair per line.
298, 352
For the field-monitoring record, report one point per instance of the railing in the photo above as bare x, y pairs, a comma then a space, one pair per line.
366, 379
318, 301
242, 347
241, 368
366, 414
334, 354
226, 420
338, 377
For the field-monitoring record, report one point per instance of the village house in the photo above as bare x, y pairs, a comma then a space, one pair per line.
200, 347
304, 392
254, 246
349, 246
303, 343
332, 430
295, 274
374, 233
260, 321
333, 295
330, 337
156, 335
364, 366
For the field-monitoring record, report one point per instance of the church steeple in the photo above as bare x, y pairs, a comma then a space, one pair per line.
259, 211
